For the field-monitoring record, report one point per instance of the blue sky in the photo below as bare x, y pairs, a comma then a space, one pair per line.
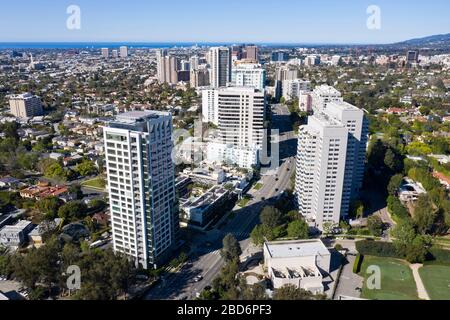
275, 21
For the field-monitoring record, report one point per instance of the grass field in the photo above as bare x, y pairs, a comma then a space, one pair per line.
243, 202
437, 281
258, 186
397, 281
97, 183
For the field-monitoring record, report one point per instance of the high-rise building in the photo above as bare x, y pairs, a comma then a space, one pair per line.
220, 60
25, 106
199, 77
280, 56
167, 67
115, 54
210, 107
248, 75
330, 162
312, 60
293, 88
241, 115
252, 53
412, 56
194, 62
324, 94
305, 102
123, 51
105, 53
141, 184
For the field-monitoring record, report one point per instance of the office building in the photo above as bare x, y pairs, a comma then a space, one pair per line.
248, 75
141, 184
305, 102
293, 88
220, 61
105, 53
330, 162
312, 60
115, 54
123, 51
25, 106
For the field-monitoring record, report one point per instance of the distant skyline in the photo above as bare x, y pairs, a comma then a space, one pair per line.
232, 21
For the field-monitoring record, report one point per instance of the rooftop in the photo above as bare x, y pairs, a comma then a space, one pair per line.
138, 116
296, 248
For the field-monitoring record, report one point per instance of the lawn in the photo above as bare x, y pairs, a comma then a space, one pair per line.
97, 183
258, 186
437, 281
397, 281
243, 202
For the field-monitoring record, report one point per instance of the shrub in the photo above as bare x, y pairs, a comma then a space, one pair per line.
377, 249
358, 262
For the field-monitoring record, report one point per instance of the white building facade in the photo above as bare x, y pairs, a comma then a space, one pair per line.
330, 162
248, 75
220, 61
141, 184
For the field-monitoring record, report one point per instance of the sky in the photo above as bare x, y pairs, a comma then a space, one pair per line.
231, 21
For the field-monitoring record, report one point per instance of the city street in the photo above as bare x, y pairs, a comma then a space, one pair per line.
206, 260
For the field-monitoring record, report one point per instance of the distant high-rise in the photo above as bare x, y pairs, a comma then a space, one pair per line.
252, 53
248, 75
115, 54
199, 77
280, 56
25, 106
209, 106
141, 184
330, 162
167, 67
293, 88
105, 53
123, 51
412, 56
220, 60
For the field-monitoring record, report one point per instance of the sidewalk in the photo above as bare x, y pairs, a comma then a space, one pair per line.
422, 292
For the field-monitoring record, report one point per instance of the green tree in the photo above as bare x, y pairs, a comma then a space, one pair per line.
49, 206
86, 168
231, 248
292, 292
424, 214
375, 225
298, 229
270, 217
394, 184
73, 210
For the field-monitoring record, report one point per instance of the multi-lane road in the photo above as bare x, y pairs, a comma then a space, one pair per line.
205, 260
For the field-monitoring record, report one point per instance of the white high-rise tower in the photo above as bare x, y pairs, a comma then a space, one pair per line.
220, 60
141, 184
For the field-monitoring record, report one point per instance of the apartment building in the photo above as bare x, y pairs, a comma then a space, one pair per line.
141, 184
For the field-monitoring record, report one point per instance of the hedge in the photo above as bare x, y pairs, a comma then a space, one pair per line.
438, 256
377, 249
358, 262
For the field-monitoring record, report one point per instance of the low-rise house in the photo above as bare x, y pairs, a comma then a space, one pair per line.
410, 190
9, 182
35, 236
14, 236
302, 263
443, 179
43, 190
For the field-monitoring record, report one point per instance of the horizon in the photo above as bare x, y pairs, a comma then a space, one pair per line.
324, 22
